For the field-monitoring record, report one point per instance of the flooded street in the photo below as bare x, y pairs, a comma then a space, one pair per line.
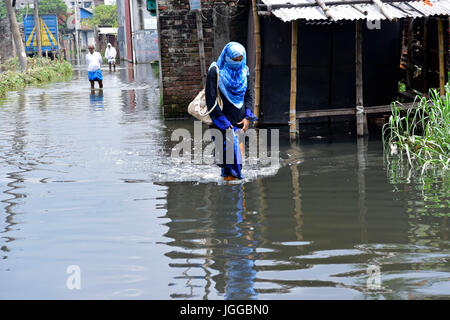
87, 180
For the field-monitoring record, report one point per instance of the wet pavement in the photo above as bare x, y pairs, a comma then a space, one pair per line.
87, 180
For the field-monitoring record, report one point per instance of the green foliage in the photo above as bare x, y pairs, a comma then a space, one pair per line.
155, 68
105, 16
422, 133
3, 13
45, 7
39, 71
401, 86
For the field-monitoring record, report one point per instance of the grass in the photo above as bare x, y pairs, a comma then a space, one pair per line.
41, 70
420, 134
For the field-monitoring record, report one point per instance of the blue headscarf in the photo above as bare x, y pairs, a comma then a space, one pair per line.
233, 74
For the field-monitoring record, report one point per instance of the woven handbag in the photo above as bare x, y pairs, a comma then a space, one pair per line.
198, 109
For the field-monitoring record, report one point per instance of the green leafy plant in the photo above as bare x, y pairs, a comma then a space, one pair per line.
40, 70
421, 133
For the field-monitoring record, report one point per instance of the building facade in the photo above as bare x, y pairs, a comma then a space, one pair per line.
137, 32
178, 36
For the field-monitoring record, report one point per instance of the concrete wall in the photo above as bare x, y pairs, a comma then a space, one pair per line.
145, 35
144, 32
121, 40
180, 62
145, 44
142, 20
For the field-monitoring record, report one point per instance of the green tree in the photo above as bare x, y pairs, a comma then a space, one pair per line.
57, 7
2, 10
105, 16
52, 7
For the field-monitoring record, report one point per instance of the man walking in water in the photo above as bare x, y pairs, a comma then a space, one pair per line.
110, 54
94, 62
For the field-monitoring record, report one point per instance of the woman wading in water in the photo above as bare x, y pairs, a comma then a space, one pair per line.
236, 93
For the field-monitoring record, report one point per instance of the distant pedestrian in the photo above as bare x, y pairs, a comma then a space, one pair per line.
110, 54
94, 62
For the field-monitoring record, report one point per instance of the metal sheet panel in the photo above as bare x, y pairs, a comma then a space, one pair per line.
349, 12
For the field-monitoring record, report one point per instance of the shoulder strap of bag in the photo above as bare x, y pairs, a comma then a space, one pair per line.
217, 93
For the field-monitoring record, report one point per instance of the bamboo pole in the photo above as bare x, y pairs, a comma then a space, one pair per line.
293, 132
384, 10
257, 85
361, 118
325, 9
37, 26
441, 56
201, 46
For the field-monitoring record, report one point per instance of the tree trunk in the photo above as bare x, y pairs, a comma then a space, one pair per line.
20, 49
37, 29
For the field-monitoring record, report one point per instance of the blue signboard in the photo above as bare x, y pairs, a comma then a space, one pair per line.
195, 4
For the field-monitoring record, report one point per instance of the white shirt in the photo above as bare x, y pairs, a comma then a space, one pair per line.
94, 61
110, 53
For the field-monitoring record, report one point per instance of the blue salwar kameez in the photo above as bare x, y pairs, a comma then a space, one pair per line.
234, 85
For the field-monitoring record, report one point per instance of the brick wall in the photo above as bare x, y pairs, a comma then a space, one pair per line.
180, 61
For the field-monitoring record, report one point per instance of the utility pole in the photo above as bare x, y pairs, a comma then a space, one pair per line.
76, 33
37, 26
20, 49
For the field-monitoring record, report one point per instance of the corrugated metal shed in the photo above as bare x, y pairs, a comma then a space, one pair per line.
366, 11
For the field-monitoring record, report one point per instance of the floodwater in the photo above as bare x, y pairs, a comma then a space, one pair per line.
87, 180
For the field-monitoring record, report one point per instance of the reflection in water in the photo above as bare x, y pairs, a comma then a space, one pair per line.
313, 238
225, 241
96, 99
240, 247
15, 157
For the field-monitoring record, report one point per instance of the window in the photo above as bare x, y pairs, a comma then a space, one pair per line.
87, 4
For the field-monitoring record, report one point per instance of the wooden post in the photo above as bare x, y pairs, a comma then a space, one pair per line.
441, 57
361, 118
201, 46
37, 29
293, 132
257, 62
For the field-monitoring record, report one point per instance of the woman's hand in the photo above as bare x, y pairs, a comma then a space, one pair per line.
246, 123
